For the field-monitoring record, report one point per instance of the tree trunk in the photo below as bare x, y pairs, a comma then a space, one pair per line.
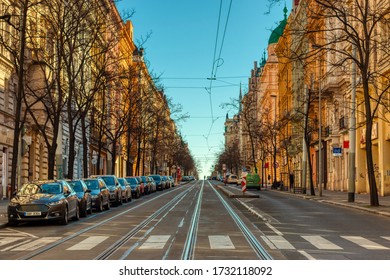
51, 161
85, 147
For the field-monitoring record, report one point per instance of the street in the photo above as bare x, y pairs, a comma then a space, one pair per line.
196, 221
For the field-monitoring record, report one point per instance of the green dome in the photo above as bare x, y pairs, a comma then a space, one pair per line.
278, 31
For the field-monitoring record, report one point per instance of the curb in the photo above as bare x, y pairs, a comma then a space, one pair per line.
233, 195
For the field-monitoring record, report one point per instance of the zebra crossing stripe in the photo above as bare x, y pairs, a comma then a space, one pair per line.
8, 240
280, 242
33, 245
221, 242
386, 237
321, 243
155, 242
88, 243
365, 243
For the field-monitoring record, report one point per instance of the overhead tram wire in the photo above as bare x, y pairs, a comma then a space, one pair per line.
215, 64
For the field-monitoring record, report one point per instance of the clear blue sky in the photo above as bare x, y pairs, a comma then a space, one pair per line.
181, 49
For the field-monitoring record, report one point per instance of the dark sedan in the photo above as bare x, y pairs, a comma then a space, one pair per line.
99, 193
84, 195
114, 188
43, 201
160, 183
135, 187
126, 190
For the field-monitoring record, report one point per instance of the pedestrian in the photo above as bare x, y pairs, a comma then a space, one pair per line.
291, 180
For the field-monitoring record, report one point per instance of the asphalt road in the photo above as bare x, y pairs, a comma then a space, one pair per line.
196, 222
306, 229
193, 221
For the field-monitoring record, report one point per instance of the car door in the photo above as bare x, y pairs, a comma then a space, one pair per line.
71, 197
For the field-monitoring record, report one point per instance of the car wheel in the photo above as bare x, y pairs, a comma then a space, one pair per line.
90, 210
77, 215
107, 207
83, 211
100, 207
65, 219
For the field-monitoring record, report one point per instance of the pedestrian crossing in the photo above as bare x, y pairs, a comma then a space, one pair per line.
216, 242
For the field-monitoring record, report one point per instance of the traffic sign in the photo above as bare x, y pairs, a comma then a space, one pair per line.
243, 184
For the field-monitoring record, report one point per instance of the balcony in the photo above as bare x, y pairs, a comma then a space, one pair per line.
343, 123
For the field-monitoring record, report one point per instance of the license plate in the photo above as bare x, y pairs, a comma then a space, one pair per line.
27, 214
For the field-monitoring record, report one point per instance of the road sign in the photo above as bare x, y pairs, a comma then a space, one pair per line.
243, 184
337, 152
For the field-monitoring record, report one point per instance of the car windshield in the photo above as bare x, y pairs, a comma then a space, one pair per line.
132, 180
77, 186
51, 188
143, 179
109, 181
122, 181
92, 184
157, 178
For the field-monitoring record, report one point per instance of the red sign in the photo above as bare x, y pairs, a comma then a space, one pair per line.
346, 144
266, 165
243, 184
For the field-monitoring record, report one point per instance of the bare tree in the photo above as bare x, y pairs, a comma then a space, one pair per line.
353, 31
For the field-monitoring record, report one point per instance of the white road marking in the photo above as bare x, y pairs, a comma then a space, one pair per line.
321, 243
88, 243
8, 240
269, 243
181, 223
36, 244
274, 229
155, 242
365, 243
221, 242
386, 237
15, 232
280, 242
306, 254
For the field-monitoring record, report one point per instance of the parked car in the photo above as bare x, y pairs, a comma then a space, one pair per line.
84, 196
135, 186
141, 185
231, 179
146, 185
152, 184
167, 182
43, 201
172, 181
99, 193
126, 190
114, 188
160, 184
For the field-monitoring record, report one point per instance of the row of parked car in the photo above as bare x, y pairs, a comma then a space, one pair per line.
62, 200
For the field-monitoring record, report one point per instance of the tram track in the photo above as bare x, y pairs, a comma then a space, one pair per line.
251, 239
189, 246
107, 253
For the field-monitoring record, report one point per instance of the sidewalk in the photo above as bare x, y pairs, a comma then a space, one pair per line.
362, 201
